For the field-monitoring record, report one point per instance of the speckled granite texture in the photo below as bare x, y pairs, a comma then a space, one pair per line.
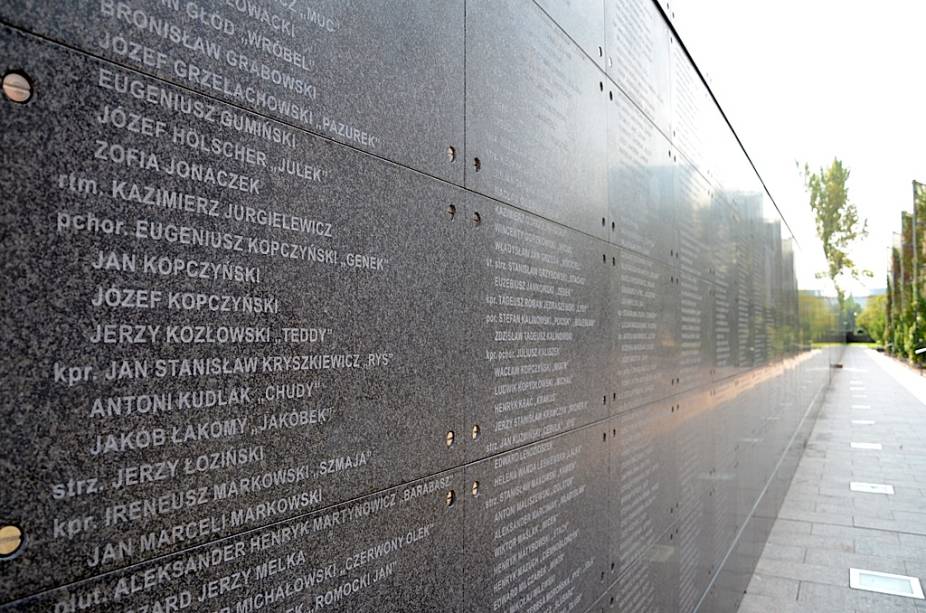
278, 335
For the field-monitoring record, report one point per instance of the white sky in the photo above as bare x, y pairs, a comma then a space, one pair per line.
811, 79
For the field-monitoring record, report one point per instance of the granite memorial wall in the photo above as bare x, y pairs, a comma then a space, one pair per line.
406, 306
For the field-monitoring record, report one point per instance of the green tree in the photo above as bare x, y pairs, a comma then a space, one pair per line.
819, 318
837, 221
850, 312
873, 318
889, 321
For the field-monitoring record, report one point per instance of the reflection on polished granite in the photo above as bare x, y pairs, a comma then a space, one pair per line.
823, 528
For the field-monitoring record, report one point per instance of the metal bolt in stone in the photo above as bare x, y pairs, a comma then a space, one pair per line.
475, 488
475, 431
451, 496
450, 438
11, 539
16, 87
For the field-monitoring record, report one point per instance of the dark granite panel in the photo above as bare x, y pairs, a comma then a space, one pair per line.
641, 183
694, 437
192, 304
644, 321
696, 330
335, 67
650, 585
722, 343
754, 463
693, 216
535, 113
746, 252
251, 368
637, 54
397, 550
536, 348
694, 573
696, 430
644, 482
741, 312
536, 529
722, 247
604, 603
691, 109
583, 21
722, 473
734, 576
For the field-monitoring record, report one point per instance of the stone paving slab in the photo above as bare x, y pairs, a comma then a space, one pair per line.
824, 528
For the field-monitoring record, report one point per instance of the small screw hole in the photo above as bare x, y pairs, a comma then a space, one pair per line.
451, 154
477, 165
477, 218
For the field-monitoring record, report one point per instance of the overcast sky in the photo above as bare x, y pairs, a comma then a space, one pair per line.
807, 80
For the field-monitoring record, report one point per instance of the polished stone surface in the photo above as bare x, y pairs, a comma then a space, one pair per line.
334, 68
637, 55
183, 358
539, 517
536, 131
536, 327
265, 358
583, 21
644, 331
397, 546
641, 182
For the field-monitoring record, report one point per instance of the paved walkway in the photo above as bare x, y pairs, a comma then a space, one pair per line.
823, 528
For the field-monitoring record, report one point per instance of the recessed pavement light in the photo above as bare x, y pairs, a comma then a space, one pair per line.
866, 446
885, 583
871, 488
863, 422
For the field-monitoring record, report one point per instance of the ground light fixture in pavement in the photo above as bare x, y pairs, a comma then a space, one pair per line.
871, 488
885, 583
